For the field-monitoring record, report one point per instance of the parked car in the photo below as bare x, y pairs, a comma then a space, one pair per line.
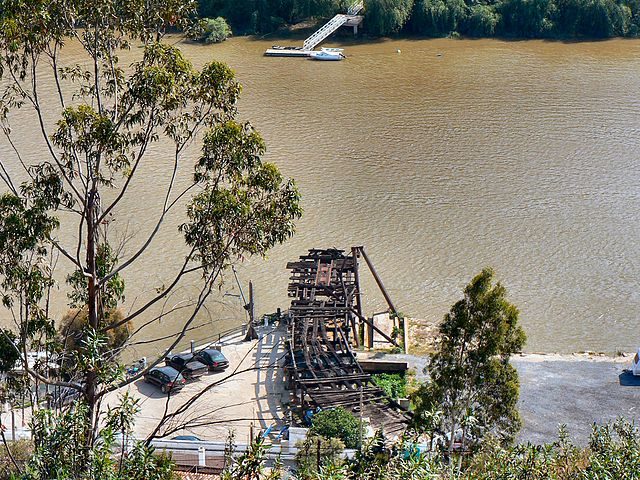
212, 358
167, 378
187, 365
61, 396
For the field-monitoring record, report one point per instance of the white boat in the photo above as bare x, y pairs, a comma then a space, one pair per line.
635, 367
328, 54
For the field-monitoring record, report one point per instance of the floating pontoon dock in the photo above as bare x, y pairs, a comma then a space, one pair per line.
351, 19
287, 52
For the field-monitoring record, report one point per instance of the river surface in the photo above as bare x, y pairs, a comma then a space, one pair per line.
442, 157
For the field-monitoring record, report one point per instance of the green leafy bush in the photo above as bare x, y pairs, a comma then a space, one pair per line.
393, 384
314, 447
214, 30
337, 423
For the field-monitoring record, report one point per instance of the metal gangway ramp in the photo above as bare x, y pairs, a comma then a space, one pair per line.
332, 25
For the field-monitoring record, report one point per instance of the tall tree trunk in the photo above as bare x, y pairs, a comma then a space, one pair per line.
91, 378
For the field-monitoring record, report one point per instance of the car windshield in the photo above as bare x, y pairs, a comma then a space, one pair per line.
215, 355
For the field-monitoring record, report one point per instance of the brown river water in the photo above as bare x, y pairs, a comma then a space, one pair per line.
444, 158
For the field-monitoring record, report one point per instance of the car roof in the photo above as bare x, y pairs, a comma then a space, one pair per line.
184, 356
213, 352
167, 370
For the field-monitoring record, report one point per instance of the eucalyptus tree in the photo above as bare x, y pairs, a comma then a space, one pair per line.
471, 382
107, 119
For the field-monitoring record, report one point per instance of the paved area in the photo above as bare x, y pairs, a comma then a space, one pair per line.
576, 390
249, 399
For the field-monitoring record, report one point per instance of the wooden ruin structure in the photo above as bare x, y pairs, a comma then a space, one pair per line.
325, 321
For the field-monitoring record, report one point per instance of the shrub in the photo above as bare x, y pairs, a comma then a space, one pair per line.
337, 423
21, 451
214, 30
393, 384
307, 456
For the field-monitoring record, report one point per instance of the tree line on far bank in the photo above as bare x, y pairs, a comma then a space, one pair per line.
438, 18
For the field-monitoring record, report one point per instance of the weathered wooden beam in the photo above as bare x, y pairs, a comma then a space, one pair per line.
341, 379
370, 323
378, 281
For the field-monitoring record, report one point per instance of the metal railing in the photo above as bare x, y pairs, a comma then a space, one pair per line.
331, 26
355, 8
326, 30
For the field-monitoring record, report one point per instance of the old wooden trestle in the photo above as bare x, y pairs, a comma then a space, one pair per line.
325, 317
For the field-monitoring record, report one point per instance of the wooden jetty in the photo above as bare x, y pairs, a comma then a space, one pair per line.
325, 318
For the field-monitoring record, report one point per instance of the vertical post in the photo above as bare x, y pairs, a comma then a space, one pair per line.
13, 424
252, 310
251, 331
202, 457
405, 333
356, 278
361, 407
318, 455
193, 347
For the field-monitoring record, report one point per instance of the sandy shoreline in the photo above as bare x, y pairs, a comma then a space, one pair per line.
575, 357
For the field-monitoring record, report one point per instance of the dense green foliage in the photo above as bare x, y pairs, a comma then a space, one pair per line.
213, 30
58, 453
393, 384
613, 452
471, 380
337, 423
436, 18
316, 453
99, 129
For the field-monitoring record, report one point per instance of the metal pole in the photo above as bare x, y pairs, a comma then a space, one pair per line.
361, 407
378, 281
251, 331
252, 310
370, 323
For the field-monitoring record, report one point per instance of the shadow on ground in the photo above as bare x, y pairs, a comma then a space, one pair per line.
149, 390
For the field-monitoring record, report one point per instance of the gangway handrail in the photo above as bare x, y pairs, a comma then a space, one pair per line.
331, 26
